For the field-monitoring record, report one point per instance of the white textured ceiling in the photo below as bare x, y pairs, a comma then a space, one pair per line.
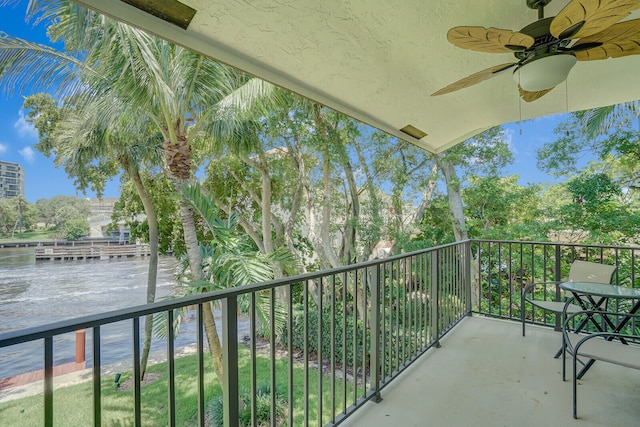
379, 61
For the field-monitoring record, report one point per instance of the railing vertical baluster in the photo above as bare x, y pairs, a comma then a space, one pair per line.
489, 279
521, 284
447, 276
480, 284
633, 268
424, 295
374, 372
403, 291
389, 329
617, 264
171, 389
252, 338
419, 303
413, 308
200, 345
500, 279
365, 324
467, 276
272, 354
345, 279
354, 351
320, 349
289, 351
412, 311
558, 267
48, 381
95, 369
230, 360
396, 269
511, 287
136, 372
305, 350
435, 298
333, 348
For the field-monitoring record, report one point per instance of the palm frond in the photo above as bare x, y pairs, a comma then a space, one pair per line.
25, 65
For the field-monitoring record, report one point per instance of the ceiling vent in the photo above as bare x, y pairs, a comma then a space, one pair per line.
171, 11
413, 131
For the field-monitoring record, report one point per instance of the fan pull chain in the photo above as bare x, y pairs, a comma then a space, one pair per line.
519, 106
566, 100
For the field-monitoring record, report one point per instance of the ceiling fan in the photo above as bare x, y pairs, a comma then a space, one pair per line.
547, 49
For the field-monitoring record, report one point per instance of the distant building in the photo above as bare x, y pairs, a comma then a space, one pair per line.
11, 179
100, 220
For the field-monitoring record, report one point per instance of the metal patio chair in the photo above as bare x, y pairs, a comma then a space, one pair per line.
581, 271
604, 344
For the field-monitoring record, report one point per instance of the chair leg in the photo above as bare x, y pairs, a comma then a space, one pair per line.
575, 387
522, 316
564, 359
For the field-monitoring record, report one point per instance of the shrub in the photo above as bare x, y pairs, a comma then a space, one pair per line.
328, 317
263, 408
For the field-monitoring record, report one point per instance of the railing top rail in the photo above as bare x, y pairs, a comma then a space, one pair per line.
90, 321
570, 244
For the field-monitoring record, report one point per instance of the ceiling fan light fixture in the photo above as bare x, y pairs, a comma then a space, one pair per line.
544, 73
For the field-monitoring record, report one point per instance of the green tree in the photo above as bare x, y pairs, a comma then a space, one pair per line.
175, 89
498, 208
75, 228
595, 211
486, 153
16, 214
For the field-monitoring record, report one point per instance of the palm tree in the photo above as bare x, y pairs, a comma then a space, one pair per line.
185, 95
599, 120
80, 140
230, 259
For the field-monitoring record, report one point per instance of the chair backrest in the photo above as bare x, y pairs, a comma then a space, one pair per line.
584, 271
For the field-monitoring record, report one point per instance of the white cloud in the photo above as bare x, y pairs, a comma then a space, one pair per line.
3, 148
25, 130
28, 154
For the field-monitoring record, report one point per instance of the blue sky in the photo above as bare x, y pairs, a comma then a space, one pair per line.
17, 137
43, 180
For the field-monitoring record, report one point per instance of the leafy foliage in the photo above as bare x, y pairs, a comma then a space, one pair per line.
312, 323
76, 228
262, 398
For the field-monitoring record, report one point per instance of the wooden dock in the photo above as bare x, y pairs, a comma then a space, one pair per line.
91, 252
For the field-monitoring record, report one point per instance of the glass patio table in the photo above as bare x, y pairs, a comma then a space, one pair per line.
595, 297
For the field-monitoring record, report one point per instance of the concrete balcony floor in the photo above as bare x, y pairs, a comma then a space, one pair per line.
487, 374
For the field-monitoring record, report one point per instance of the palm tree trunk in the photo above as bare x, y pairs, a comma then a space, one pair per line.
195, 264
213, 339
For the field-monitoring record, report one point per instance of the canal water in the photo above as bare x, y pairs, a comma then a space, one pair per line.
33, 294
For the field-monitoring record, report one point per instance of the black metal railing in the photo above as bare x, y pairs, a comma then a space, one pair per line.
322, 344
503, 268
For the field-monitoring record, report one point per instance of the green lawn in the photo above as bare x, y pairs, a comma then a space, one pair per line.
35, 235
72, 405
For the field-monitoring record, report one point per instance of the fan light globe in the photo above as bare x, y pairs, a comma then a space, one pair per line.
544, 73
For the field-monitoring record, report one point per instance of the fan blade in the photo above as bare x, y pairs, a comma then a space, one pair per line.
580, 47
532, 96
475, 78
621, 39
597, 15
490, 40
